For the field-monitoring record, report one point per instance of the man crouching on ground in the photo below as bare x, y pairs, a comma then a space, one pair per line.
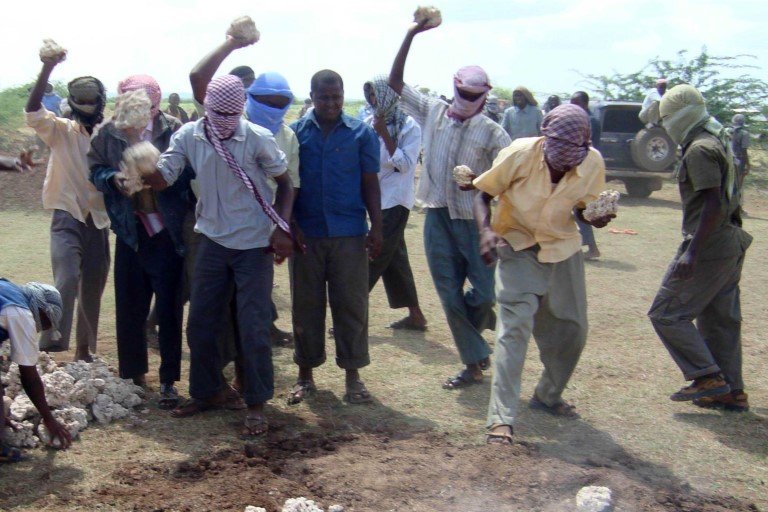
540, 284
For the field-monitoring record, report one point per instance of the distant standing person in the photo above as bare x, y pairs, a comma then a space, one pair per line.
400, 141
492, 110
523, 118
80, 255
455, 134
174, 108
552, 102
702, 282
581, 99
649, 112
51, 100
338, 165
305, 108
739, 146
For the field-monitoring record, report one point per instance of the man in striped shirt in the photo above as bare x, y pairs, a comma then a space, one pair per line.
455, 134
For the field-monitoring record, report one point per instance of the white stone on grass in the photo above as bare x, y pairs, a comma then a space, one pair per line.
594, 499
300, 505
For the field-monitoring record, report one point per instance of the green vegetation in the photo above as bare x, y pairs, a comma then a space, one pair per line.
725, 95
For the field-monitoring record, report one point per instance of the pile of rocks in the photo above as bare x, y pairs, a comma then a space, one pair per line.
78, 393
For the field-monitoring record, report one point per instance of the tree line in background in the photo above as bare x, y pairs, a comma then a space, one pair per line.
725, 95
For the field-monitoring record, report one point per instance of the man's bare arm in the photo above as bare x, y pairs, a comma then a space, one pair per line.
203, 72
398, 66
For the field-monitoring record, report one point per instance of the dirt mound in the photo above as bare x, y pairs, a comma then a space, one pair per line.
378, 472
22, 191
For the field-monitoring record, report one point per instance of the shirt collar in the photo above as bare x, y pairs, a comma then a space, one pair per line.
344, 119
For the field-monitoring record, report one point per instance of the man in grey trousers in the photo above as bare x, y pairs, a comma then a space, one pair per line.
79, 225
702, 282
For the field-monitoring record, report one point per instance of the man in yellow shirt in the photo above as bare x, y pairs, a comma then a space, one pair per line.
540, 285
80, 256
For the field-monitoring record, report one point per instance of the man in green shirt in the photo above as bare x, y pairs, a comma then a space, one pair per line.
702, 282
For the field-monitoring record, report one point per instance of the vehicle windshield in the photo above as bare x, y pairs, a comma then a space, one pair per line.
622, 120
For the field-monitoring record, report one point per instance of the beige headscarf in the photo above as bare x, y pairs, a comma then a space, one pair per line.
682, 110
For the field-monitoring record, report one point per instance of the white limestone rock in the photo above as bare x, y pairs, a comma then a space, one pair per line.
12, 381
46, 364
335, 508
245, 29
251, 508
300, 505
463, 175
105, 410
79, 370
83, 393
594, 499
133, 110
58, 388
607, 203
74, 419
21, 434
51, 49
7, 401
22, 408
431, 14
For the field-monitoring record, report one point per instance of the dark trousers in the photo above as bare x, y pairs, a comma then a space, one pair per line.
392, 265
711, 299
154, 268
339, 265
216, 269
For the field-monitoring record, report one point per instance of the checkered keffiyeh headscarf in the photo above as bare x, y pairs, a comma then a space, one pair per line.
150, 86
224, 101
46, 298
567, 134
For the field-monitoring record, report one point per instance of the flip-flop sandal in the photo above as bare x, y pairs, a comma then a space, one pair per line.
10, 455
485, 364
407, 325
254, 426
233, 401
357, 394
561, 409
463, 379
301, 390
503, 438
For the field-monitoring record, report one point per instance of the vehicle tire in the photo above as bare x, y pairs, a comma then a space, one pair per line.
639, 187
653, 150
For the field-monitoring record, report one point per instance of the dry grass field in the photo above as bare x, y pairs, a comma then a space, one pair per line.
419, 447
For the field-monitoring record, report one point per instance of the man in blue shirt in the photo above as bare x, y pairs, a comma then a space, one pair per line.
523, 118
338, 166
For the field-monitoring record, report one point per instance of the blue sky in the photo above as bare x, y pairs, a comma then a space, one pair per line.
543, 45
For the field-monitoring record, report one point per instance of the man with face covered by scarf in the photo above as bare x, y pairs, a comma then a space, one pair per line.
79, 235
540, 273
400, 141
702, 282
455, 134
242, 235
149, 247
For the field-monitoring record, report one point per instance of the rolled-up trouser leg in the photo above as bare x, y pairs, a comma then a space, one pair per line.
679, 302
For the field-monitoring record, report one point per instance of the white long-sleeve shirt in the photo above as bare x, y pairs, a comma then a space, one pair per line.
398, 186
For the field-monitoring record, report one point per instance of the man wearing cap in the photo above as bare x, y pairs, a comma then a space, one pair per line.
523, 118
455, 134
25, 310
649, 112
79, 223
697, 310
540, 282
149, 248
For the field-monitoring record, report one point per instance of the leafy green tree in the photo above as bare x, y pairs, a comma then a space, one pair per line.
724, 81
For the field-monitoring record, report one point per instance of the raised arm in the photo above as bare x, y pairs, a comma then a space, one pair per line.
35, 100
203, 72
398, 66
